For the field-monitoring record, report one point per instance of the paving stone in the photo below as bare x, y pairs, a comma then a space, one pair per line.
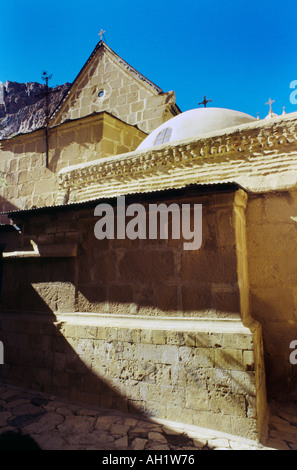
23, 420
25, 409
105, 422
119, 429
8, 394
130, 422
104, 437
64, 411
39, 401
138, 444
77, 424
45, 424
157, 436
89, 439
14, 403
4, 416
147, 424
57, 424
52, 405
121, 443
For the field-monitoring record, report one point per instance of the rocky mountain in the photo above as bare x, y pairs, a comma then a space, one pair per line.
23, 106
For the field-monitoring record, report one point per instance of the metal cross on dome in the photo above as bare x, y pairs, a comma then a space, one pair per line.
269, 102
205, 101
101, 34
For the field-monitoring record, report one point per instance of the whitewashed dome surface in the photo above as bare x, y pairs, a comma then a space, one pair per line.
193, 124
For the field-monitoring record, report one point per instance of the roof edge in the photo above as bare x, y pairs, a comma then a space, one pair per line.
203, 188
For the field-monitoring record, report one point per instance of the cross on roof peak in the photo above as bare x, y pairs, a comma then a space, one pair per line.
205, 101
269, 103
101, 34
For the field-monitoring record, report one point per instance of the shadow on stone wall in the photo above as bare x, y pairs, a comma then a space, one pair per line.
277, 336
36, 354
141, 374
124, 277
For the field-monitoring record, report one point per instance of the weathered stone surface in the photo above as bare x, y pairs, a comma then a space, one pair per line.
141, 434
24, 106
138, 444
105, 422
4, 416
158, 437
213, 375
45, 424
77, 424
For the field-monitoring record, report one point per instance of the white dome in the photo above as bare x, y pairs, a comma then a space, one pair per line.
193, 124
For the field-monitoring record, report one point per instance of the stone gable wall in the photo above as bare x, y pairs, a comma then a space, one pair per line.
126, 95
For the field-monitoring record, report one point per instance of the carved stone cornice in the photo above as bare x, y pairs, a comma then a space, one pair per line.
258, 156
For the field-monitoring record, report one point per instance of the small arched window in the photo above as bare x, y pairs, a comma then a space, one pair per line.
163, 136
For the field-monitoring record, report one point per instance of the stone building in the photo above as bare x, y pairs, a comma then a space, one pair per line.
142, 324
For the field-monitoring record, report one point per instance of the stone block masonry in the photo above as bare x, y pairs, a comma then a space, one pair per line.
272, 229
139, 325
196, 372
124, 93
30, 184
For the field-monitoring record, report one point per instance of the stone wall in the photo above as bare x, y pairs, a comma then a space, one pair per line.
126, 94
23, 158
195, 372
149, 277
272, 260
139, 325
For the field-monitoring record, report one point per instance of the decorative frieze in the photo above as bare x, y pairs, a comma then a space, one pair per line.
247, 155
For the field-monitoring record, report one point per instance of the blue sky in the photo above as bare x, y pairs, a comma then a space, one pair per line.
240, 53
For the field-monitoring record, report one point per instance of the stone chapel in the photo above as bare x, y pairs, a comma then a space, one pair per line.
199, 336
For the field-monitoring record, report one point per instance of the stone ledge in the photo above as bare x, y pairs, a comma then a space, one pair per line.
148, 322
44, 251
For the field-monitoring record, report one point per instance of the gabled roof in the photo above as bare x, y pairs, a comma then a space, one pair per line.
105, 47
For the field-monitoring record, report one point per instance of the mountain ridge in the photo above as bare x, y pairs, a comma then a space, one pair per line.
23, 106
